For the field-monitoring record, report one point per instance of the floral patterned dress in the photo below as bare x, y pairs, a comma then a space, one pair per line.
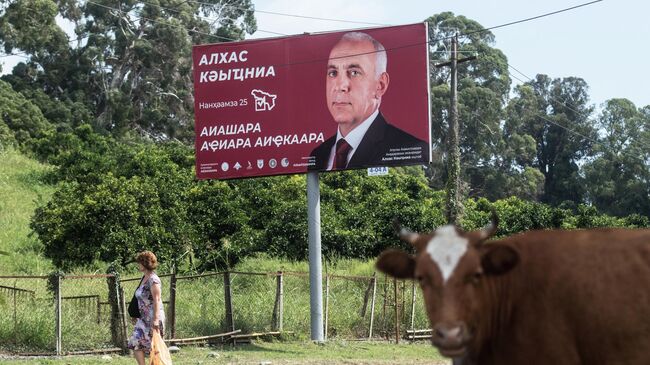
143, 331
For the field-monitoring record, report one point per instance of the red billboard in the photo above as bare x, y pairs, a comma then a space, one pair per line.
313, 102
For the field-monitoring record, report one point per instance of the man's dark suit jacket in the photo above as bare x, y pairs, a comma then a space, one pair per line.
382, 145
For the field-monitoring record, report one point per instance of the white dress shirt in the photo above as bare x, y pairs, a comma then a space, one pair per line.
353, 138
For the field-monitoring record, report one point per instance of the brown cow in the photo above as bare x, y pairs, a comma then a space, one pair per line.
548, 297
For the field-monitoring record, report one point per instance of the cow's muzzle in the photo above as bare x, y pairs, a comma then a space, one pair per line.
451, 339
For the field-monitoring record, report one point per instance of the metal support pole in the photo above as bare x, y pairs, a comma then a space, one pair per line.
15, 315
372, 304
396, 312
413, 310
327, 304
59, 342
315, 264
123, 313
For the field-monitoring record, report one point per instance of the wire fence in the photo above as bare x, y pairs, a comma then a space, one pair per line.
66, 314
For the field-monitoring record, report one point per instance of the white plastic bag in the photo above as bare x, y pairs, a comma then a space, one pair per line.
159, 352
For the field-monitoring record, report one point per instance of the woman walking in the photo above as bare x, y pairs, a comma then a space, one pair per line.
150, 304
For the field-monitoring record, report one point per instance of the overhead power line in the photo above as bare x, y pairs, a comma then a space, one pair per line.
387, 49
431, 41
19, 54
297, 15
22, 54
210, 19
163, 22
393, 48
535, 17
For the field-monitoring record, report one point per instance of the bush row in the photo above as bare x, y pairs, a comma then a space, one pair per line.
114, 199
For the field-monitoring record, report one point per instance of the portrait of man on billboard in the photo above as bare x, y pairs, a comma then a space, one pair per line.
355, 83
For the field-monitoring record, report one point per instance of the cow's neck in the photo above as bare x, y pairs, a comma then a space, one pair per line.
499, 296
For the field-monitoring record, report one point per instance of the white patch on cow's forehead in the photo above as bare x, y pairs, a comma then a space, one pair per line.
446, 248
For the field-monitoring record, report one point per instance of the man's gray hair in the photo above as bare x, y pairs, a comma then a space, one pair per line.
380, 51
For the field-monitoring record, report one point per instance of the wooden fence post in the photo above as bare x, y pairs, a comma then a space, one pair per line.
57, 298
278, 308
372, 304
230, 321
114, 302
99, 309
171, 320
366, 297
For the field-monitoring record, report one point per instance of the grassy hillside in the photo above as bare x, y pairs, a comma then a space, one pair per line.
199, 301
21, 187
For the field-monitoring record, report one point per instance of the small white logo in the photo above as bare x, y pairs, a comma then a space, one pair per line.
284, 162
225, 166
237, 166
260, 164
273, 163
263, 100
377, 171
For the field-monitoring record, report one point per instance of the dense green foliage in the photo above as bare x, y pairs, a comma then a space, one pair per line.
148, 200
545, 109
128, 69
109, 116
618, 178
111, 111
20, 120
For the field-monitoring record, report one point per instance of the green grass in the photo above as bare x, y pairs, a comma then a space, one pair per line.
201, 310
27, 321
333, 353
21, 187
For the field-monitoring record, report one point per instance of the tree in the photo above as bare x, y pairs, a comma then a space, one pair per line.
130, 63
20, 120
140, 204
217, 211
483, 87
512, 172
618, 178
63, 112
556, 114
30, 25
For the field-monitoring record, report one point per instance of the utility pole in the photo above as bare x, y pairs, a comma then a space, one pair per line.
454, 205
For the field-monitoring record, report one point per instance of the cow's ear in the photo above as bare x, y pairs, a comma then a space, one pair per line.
498, 259
396, 263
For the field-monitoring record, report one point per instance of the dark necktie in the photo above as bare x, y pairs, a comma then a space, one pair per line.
341, 157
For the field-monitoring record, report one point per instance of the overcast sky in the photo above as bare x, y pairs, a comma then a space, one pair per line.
606, 43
